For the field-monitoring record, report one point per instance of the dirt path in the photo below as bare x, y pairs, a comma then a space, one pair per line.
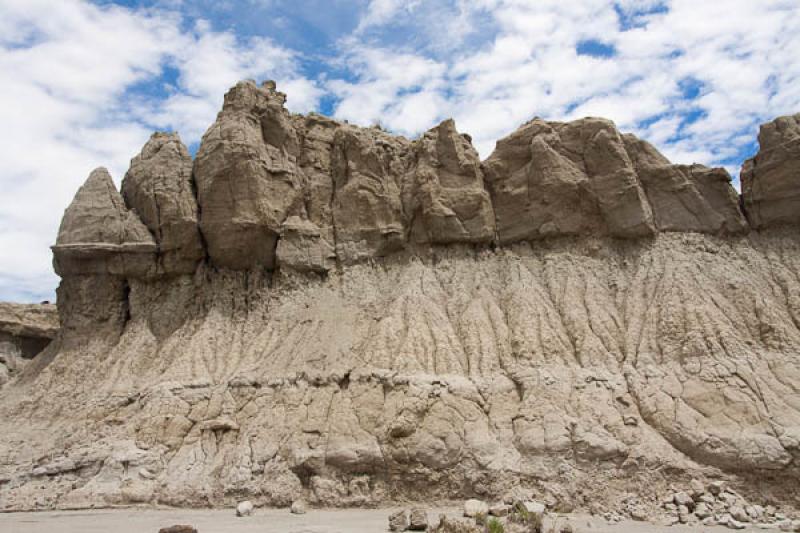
265, 521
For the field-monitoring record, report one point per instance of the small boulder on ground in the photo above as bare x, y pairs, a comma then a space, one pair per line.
716, 487
298, 507
244, 508
418, 520
531, 507
473, 508
178, 529
398, 521
499, 509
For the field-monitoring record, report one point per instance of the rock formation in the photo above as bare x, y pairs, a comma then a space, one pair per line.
317, 311
770, 179
25, 330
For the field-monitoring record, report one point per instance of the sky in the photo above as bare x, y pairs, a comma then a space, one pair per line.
83, 84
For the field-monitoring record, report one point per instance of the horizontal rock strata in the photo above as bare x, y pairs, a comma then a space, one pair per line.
316, 311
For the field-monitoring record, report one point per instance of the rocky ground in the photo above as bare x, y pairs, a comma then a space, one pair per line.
314, 521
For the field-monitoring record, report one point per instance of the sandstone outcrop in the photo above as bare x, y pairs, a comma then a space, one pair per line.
771, 179
159, 189
99, 235
371, 317
25, 330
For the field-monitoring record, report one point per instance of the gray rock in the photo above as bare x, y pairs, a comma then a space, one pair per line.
738, 513
244, 508
418, 519
683, 498
701, 510
398, 521
298, 507
716, 487
158, 188
178, 529
474, 507
99, 235
771, 180
499, 509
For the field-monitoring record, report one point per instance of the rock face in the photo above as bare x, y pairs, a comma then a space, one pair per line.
361, 317
99, 235
158, 188
248, 181
25, 330
584, 178
771, 180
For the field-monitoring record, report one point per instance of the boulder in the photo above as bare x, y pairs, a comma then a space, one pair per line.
398, 521
474, 508
298, 507
99, 235
418, 519
688, 198
444, 196
178, 529
499, 509
158, 187
549, 179
244, 508
771, 179
248, 181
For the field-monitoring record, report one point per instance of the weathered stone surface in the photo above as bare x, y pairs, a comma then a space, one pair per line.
25, 330
686, 197
444, 196
771, 179
305, 247
367, 208
418, 519
398, 521
247, 178
29, 320
99, 235
158, 188
429, 364
551, 179
475, 507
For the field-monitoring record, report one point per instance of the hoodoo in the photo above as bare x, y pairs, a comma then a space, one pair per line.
311, 310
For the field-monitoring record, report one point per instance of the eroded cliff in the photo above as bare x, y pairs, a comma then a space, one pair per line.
314, 309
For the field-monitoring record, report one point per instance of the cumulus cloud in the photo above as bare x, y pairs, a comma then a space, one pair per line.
83, 86
696, 78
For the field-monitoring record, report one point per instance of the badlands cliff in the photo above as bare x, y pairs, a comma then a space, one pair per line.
313, 309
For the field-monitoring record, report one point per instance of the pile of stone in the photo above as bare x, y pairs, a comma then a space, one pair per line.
512, 515
404, 520
716, 504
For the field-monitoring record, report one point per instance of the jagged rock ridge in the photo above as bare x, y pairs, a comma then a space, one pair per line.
314, 309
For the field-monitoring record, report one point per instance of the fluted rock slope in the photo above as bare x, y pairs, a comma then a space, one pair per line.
331, 312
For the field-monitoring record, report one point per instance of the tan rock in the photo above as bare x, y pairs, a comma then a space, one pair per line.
550, 179
367, 208
444, 197
771, 179
99, 235
247, 178
158, 188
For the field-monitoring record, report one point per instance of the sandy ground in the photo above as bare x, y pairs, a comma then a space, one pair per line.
265, 521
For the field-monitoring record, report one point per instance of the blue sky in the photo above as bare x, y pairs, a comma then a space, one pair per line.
84, 83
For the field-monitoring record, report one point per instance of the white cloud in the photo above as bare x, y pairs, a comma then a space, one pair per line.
740, 55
